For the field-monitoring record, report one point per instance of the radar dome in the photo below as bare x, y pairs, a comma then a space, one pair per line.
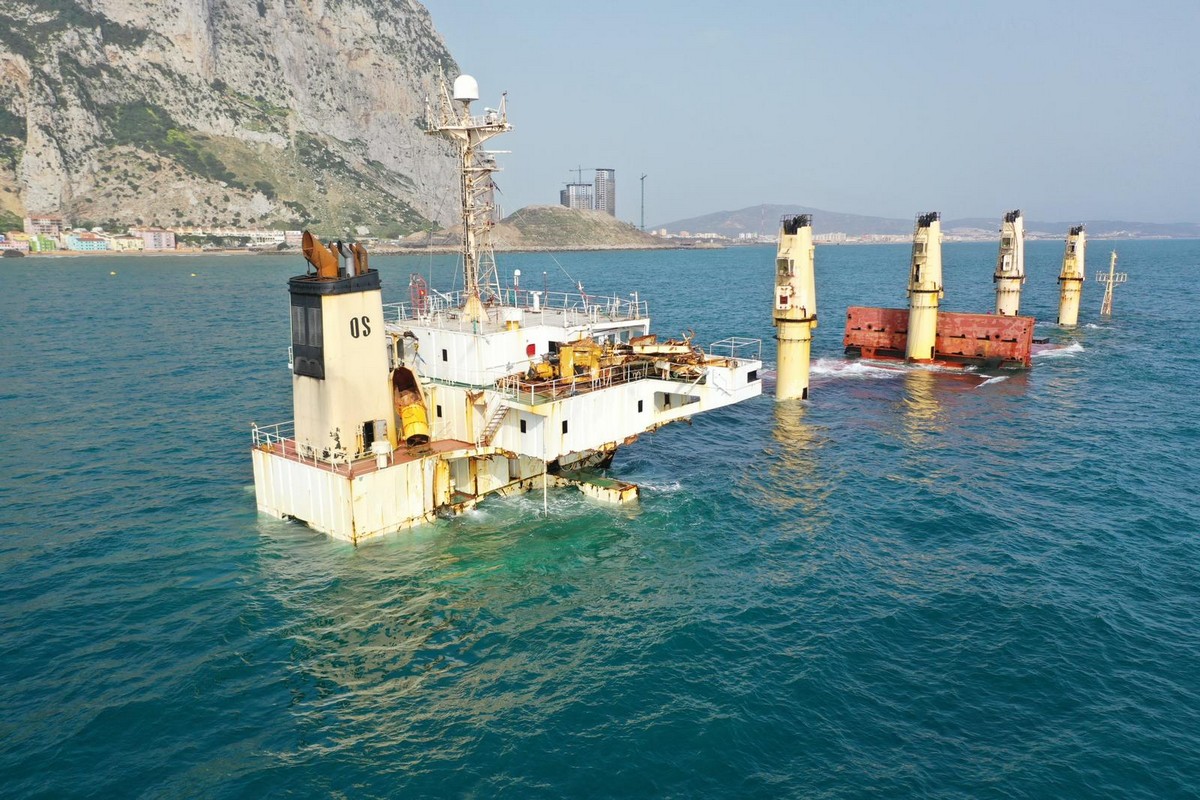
465, 88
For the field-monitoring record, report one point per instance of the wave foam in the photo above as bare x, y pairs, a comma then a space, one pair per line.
1074, 348
840, 368
993, 379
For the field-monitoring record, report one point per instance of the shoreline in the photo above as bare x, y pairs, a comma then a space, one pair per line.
375, 251
454, 249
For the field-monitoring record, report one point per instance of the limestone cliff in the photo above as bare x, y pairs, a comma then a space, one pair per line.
243, 112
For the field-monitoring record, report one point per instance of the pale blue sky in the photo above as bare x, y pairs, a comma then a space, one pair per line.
1068, 110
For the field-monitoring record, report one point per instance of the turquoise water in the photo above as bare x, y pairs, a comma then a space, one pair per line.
916, 585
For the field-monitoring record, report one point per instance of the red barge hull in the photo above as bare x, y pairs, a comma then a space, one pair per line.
963, 340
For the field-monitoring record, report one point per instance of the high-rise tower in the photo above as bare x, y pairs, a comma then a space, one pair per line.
606, 191
577, 195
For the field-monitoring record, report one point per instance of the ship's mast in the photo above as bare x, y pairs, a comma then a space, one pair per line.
452, 119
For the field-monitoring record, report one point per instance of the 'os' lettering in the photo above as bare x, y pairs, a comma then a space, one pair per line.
360, 326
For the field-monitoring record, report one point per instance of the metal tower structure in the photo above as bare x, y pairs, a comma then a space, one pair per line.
1110, 279
452, 119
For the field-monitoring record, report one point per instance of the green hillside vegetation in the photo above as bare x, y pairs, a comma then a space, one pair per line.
558, 227
309, 184
151, 128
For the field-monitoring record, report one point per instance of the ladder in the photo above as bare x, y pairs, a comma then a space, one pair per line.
493, 423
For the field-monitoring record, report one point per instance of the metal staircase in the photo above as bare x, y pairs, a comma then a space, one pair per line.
494, 422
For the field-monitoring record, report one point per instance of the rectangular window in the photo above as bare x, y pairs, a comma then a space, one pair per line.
639, 406
522, 426
308, 351
439, 412
314, 327
298, 334
752, 376
445, 355
564, 426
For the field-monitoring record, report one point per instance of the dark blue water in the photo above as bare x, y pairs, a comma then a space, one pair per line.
916, 585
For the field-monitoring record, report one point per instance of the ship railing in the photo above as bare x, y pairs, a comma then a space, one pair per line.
738, 348
535, 393
280, 439
494, 119
272, 435
575, 308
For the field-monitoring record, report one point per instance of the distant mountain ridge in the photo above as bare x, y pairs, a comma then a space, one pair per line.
764, 220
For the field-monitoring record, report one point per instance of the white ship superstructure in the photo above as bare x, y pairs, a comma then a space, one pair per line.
486, 390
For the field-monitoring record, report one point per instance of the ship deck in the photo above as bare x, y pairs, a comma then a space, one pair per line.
268, 440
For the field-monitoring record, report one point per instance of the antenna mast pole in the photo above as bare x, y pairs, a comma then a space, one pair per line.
454, 121
643, 201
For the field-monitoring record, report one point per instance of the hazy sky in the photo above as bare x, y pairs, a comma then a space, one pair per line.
1067, 110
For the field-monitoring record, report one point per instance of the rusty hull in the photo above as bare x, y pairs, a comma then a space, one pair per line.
984, 340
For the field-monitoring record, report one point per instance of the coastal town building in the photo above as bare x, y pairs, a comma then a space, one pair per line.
44, 225
836, 237
14, 241
83, 241
126, 242
155, 238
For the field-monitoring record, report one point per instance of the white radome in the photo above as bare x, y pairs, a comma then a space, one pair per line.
466, 88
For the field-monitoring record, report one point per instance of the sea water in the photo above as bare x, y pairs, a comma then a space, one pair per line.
917, 584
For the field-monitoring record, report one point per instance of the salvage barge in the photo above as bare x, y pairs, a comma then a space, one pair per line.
412, 410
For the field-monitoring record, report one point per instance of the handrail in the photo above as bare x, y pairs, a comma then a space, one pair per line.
737, 347
534, 393
280, 438
586, 308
